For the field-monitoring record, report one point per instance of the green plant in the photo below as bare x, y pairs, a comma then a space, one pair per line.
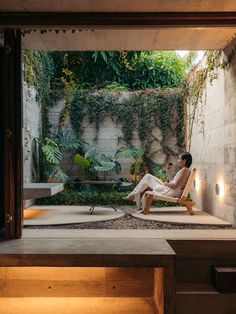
51, 153
158, 69
39, 72
84, 164
73, 197
160, 172
61, 73
138, 154
47, 157
132, 69
195, 83
141, 110
67, 140
95, 165
115, 87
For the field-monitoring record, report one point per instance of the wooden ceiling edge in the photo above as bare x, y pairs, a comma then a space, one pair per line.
117, 20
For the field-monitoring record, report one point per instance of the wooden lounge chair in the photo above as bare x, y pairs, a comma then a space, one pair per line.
184, 200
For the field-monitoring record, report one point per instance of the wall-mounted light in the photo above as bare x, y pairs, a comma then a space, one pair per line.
220, 189
197, 183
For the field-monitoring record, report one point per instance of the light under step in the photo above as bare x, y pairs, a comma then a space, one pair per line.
77, 305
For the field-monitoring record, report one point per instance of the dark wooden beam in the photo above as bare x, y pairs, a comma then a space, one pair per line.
117, 20
18, 127
2, 216
12, 133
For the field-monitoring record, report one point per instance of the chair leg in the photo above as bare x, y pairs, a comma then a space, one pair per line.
147, 204
189, 205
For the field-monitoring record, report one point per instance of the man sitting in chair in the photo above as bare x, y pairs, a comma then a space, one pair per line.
173, 188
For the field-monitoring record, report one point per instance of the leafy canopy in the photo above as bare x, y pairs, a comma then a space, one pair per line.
113, 70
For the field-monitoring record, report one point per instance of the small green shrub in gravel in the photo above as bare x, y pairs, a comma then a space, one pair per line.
73, 197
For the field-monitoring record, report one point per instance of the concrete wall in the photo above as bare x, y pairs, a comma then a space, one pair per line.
31, 128
214, 151
109, 139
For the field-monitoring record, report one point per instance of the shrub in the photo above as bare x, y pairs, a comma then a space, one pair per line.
73, 197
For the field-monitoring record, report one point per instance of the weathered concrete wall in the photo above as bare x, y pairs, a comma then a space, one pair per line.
109, 139
214, 152
32, 128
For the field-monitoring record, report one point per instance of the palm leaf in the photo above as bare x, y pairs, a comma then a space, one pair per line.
67, 140
56, 172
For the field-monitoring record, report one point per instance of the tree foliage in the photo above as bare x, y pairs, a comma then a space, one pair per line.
107, 69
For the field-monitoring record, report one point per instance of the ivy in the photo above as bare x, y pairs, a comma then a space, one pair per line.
38, 72
77, 111
195, 83
139, 110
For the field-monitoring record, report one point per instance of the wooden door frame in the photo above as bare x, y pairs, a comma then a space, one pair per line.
12, 176
2, 212
121, 20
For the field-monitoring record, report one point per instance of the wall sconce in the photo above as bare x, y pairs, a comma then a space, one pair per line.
220, 189
197, 184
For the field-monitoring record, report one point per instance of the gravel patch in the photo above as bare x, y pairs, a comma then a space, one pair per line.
126, 222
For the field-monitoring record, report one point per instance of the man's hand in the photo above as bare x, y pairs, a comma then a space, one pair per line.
165, 183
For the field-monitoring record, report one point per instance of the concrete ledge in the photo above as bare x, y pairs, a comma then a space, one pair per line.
38, 190
172, 234
180, 216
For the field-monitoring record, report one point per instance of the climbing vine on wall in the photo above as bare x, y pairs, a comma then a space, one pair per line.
195, 83
139, 110
38, 72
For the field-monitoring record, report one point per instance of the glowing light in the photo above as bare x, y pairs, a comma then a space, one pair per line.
32, 213
221, 188
197, 183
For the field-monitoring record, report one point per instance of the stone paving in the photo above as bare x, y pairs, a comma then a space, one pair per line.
78, 217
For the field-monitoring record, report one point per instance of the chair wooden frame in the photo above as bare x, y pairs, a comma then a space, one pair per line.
184, 200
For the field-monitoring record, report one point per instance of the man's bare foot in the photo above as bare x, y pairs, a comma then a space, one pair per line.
128, 198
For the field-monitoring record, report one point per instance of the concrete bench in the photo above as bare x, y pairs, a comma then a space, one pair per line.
38, 190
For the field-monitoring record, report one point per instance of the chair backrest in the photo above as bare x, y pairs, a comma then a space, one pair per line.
189, 183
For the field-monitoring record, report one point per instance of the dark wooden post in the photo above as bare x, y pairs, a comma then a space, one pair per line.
2, 218
12, 175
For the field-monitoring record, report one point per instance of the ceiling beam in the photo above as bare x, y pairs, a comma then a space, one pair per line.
117, 20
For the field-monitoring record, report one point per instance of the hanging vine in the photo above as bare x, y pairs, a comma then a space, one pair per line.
139, 110
38, 72
195, 84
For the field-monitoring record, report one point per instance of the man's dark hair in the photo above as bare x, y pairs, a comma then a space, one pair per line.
187, 157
